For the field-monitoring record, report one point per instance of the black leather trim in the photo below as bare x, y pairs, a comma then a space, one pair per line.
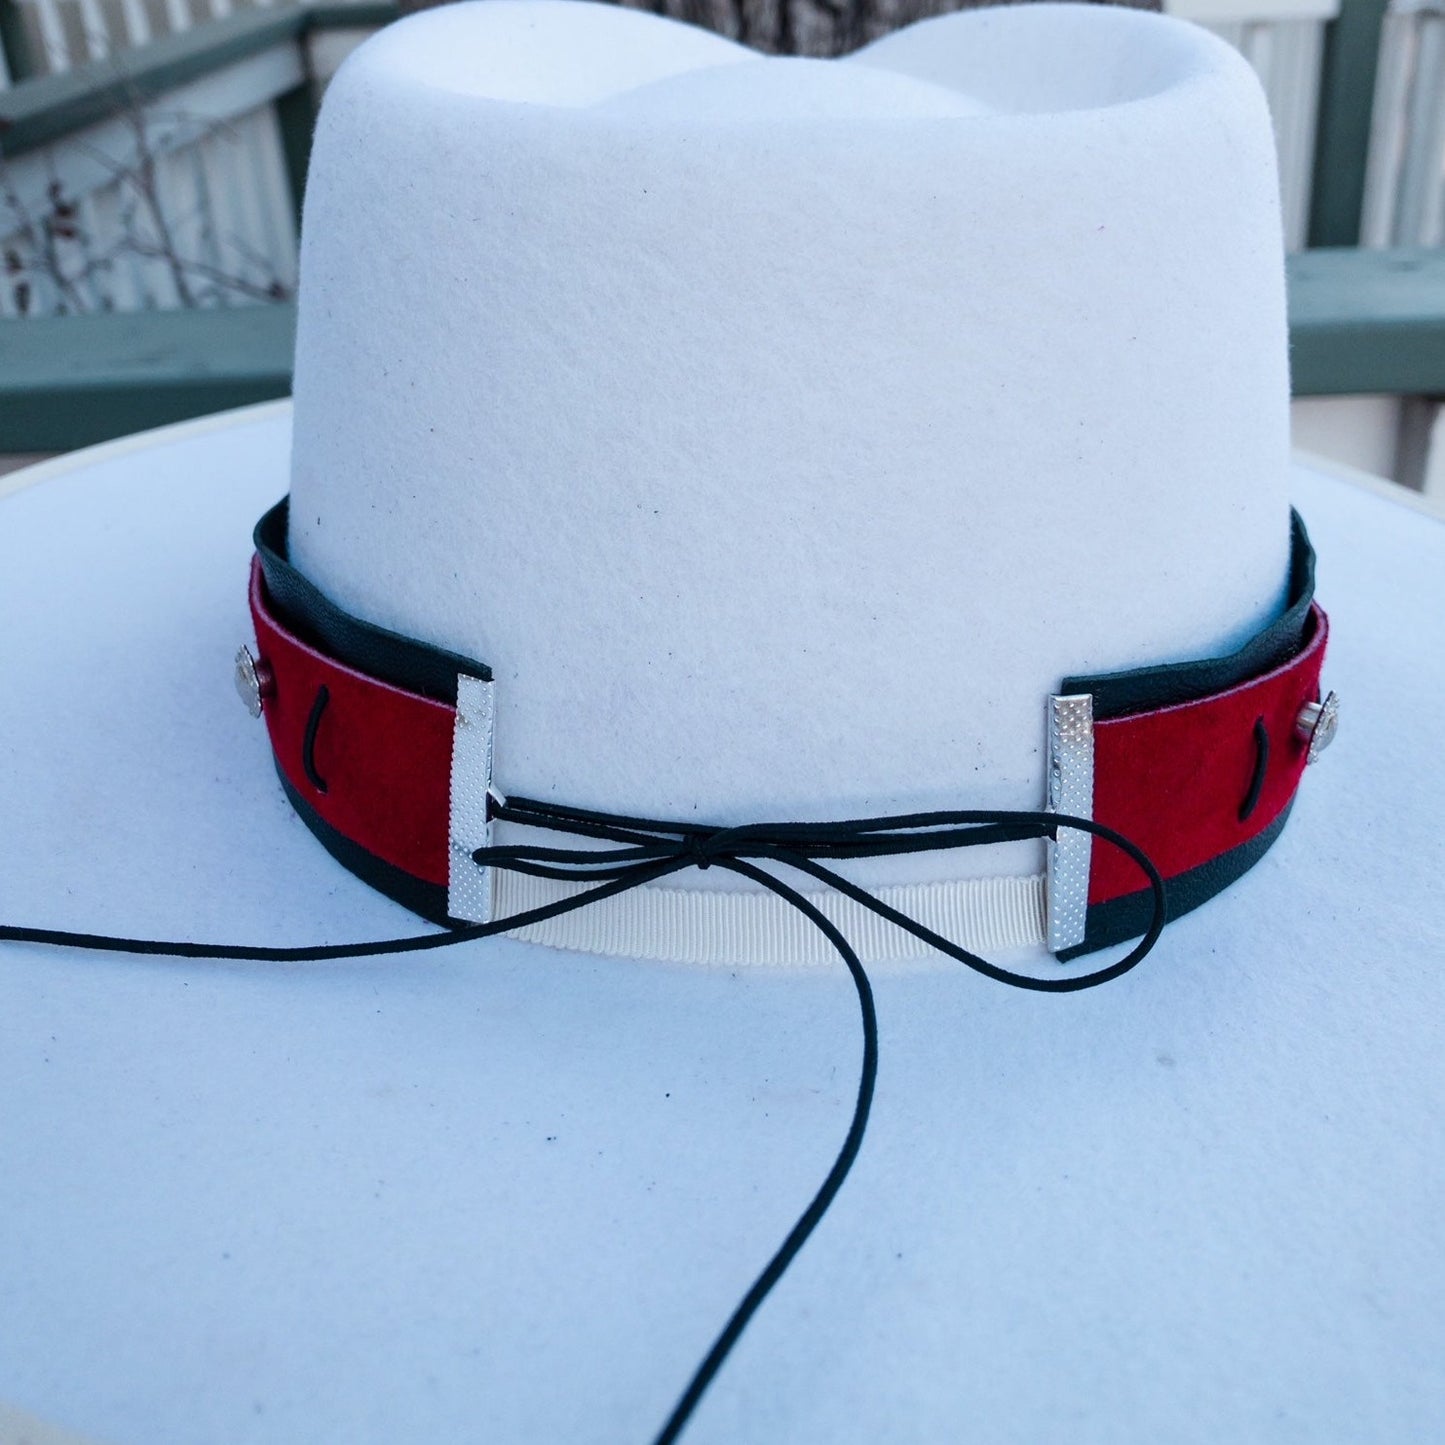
432, 672
1128, 917
429, 900
1142, 689
312, 616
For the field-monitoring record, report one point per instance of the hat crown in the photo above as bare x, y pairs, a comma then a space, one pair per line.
781, 433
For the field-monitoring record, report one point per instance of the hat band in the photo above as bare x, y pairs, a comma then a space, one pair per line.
383, 746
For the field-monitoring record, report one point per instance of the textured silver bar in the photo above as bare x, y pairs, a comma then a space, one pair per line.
1071, 790
469, 887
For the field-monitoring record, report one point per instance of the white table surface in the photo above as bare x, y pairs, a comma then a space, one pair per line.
505, 1194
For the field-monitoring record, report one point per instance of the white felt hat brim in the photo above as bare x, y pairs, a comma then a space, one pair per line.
510, 1194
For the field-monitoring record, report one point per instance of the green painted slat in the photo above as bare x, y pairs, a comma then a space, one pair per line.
15, 42
1342, 137
47, 108
353, 17
296, 115
67, 381
38, 111
1367, 321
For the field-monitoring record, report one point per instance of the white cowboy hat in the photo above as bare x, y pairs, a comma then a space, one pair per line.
781, 437
765, 423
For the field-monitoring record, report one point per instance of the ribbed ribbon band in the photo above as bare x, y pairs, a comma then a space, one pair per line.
749, 926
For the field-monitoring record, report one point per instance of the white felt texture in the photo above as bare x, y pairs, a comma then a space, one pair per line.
509, 1194
782, 432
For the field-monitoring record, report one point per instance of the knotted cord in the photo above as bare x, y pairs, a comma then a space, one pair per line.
647, 850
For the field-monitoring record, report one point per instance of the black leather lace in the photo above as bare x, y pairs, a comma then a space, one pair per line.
645, 850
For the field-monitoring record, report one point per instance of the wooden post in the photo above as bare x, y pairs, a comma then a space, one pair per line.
1352, 53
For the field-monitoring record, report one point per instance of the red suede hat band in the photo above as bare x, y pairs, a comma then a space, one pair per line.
1203, 786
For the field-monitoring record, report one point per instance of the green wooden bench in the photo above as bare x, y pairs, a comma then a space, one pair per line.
1367, 321
1360, 321
68, 381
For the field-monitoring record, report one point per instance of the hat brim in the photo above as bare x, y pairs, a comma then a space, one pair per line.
509, 1193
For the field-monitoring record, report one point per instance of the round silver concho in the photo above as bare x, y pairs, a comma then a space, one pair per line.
1317, 723
250, 681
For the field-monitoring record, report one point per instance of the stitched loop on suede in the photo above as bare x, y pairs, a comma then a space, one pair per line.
1261, 766
308, 743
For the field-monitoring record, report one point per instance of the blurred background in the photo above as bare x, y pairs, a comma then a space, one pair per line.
153, 157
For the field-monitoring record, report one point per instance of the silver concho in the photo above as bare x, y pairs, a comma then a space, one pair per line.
1317, 724
253, 681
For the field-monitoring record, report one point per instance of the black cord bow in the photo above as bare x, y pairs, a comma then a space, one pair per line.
647, 850
652, 849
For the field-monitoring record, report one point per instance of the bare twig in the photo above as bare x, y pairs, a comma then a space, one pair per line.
225, 280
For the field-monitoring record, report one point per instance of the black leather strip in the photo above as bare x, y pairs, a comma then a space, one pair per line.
1261, 767
1128, 917
1142, 689
432, 671
388, 656
428, 900
308, 743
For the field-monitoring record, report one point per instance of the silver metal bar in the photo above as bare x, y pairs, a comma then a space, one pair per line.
1071, 791
469, 887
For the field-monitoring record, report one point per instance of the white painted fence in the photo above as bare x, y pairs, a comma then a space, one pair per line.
62, 34
1404, 202
1405, 173
182, 201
